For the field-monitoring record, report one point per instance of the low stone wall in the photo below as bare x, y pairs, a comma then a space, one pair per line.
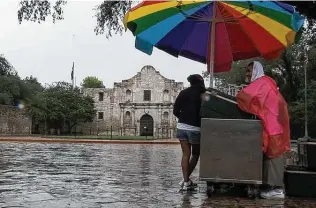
14, 121
103, 128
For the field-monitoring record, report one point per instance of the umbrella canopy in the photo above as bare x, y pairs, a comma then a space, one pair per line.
213, 32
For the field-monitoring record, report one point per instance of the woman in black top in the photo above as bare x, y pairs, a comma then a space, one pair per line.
187, 109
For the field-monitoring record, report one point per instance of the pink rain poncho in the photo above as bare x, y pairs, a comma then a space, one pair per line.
263, 99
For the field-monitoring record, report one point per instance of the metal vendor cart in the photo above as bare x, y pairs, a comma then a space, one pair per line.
231, 148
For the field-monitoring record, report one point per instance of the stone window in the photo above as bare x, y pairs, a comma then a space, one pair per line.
166, 95
100, 115
165, 118
165, 115
127, 119
101, 96
147, 95
128, 95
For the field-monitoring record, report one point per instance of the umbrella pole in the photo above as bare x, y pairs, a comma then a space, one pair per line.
212, 58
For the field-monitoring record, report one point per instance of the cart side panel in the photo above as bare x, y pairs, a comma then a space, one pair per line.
231, 150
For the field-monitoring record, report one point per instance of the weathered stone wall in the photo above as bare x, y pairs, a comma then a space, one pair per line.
162, 89
14, 121
124, 105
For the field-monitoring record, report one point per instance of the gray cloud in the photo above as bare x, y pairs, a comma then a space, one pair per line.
47, 50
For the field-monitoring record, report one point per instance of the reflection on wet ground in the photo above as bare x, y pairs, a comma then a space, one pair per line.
80, 175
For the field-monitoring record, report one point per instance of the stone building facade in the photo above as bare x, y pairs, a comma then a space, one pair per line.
14, 121
141, 105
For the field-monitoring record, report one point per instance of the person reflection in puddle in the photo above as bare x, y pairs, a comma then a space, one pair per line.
262, 98
187, 109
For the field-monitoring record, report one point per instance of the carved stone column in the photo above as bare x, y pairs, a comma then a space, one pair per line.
159, 115
170, 114
133, 116
170, 121
122, 117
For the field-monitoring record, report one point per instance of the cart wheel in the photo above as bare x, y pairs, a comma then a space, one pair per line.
252, 192
210, 190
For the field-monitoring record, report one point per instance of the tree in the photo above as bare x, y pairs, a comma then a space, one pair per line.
10, 90
62, 106
33, 84
110, 14
92, 82
14, 90
5, 67
297, 111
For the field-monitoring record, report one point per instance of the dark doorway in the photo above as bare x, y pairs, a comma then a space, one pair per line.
146, 125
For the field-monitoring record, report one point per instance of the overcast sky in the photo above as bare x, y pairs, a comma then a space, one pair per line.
47, 50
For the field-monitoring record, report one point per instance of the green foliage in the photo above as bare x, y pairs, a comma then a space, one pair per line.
39, 10
297, 108
5, 98
236, 75
5, 67
297, 111
62, 106
31, 85
14, 90
110, 16
10, 89
92, 82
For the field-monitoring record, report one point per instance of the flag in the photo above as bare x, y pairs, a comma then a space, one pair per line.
72, 71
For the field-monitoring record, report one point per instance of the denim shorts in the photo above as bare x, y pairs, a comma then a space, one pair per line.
193, 137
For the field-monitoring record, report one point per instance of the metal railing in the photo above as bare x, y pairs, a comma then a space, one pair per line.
231, 89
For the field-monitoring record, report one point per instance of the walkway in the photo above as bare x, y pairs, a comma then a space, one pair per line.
103, 141
42, 175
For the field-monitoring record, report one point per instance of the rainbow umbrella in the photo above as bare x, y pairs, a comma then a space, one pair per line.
215, 33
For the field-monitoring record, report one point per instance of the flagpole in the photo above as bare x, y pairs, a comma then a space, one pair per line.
73, 74
73, 64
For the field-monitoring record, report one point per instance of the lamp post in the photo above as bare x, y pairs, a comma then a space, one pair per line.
45, 125
45, 103
306, 110
301, 148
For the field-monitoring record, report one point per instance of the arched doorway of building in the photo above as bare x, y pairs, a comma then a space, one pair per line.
146, 125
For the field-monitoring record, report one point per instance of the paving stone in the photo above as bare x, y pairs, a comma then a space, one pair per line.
111, 175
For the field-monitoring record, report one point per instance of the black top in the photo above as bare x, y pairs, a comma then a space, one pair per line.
188, 104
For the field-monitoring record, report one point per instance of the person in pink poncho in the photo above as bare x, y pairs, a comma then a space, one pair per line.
262, 98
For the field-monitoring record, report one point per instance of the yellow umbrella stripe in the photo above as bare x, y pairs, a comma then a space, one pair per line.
282, 33
147, 10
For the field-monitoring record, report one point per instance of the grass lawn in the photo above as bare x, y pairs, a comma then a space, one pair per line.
102, 137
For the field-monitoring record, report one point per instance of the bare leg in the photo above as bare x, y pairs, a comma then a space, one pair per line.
186, 153
195, 157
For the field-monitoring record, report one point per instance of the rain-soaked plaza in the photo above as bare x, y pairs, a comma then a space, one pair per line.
105, 175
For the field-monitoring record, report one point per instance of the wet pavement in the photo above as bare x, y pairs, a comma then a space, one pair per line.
44, 175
